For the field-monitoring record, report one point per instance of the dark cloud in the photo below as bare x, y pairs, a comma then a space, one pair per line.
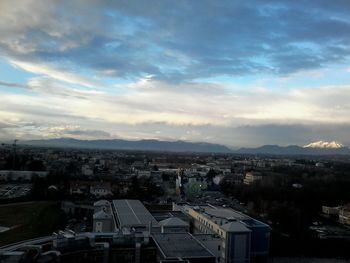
13, 85
6, 125
89, 133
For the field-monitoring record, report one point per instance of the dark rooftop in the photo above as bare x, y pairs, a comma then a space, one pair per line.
132, 213
180, 245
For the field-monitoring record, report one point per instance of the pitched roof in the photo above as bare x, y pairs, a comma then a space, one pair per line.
101, 203
102, 215
235, 227
173, 221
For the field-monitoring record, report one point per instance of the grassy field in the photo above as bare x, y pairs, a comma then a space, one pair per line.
30, 220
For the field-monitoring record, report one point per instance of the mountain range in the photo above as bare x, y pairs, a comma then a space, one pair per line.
118, 144
294, 150
317, 148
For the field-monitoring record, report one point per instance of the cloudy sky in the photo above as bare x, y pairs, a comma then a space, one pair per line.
240, 73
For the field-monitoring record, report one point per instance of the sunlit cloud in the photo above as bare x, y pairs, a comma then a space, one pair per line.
46, 70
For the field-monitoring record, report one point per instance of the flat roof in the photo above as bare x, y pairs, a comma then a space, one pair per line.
180, 245
217, 212
132, 213
220, 212
252, 222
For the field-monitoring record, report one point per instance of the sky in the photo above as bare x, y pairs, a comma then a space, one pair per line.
239, 73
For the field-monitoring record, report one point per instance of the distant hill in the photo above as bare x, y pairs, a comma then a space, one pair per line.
182, 146
294, 150
147, 145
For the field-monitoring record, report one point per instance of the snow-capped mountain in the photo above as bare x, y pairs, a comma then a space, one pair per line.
324, 144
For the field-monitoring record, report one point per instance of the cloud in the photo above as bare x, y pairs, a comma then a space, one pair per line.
189, 111
52, 87
175, 69
60, 75
12, 85
75, 131
149, 100
89, 133
4, 125
164, 38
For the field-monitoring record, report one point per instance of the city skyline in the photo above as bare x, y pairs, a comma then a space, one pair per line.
228, 72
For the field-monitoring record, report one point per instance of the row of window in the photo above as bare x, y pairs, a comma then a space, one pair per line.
209, 225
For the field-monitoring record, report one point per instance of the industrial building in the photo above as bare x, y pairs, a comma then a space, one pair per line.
231, 236
125, 231
172, 246
119, 246
133, 214
240, 238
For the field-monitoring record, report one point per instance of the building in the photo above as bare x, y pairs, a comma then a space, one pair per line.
190, 184
174, 225
330, 211
95, 188
79, 187
344, 215
133, 214
212, 242
103, 220
87, 170
101, 189
242, 238
68, 247
236, 242
252, 177
101, 205
125, 231
20, 176
181, 246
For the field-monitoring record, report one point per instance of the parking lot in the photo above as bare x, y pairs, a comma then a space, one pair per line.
8, 191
